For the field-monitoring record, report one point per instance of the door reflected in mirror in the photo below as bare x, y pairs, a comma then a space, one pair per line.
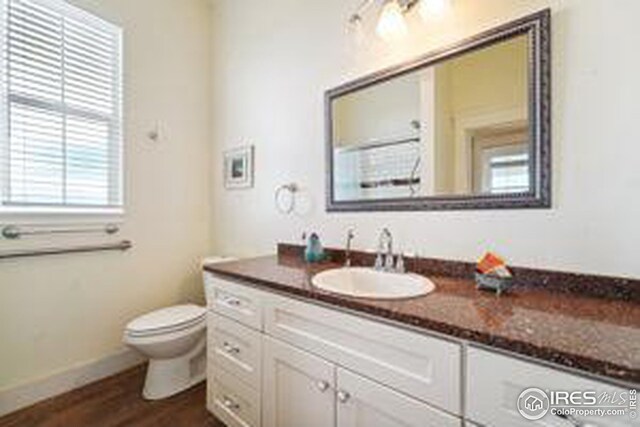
460, 127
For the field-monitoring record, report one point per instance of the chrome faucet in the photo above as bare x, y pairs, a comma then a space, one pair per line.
351, 234
384, 257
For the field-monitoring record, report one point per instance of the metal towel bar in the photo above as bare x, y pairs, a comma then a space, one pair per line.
120, 246
13, 232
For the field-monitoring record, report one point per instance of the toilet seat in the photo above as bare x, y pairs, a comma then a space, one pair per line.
166, 320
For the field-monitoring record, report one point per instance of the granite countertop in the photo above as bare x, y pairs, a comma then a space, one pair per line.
596, 335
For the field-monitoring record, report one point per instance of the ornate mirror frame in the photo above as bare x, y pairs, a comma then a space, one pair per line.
538, 27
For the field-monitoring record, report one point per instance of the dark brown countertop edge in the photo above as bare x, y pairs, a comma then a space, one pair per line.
608, 287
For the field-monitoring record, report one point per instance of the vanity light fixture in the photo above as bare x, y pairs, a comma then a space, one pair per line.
433, 8
392, 25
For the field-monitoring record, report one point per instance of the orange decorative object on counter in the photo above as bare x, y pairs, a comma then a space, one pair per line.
493, 274
488, 262
493, 264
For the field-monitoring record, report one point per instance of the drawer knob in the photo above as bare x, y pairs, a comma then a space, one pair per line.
230, 348
229, 403
322, 386
343, 396
233, 302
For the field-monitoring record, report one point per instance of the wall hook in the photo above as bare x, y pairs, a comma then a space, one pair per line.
154, 134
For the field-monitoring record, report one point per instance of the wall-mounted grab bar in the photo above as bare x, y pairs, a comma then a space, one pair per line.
13, 232
120, 246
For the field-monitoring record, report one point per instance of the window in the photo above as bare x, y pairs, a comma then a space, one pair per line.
60, 109
507, 170
501, 163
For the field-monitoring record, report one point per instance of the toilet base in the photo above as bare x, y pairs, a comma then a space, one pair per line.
167, 377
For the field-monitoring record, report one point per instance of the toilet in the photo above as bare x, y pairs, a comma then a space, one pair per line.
174, 340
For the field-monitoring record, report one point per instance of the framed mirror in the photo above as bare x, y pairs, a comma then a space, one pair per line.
467, 127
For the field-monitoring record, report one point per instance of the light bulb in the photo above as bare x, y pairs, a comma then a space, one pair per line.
434, 8
391, 25
355, 30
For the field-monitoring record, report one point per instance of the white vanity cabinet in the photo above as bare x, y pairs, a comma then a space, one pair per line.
275, 361
298, 364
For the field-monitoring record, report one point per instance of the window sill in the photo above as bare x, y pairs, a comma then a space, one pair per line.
52, 216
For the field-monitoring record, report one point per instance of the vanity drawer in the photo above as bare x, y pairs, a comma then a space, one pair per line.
233, 402
235, 348
238, 302
423, 367
494, 383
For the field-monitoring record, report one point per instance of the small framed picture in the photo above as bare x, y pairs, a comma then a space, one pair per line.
238, 168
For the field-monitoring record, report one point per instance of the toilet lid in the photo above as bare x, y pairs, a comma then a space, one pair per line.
167, 319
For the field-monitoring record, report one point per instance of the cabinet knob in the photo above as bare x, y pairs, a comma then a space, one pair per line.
233, 302
229, 403
323, 386
343, 396
230, 348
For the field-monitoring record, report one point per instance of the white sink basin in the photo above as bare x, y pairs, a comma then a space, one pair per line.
369, 283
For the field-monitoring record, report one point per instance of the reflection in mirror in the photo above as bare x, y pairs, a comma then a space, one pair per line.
459, 127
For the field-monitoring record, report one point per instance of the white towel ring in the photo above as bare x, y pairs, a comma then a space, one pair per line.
286, 205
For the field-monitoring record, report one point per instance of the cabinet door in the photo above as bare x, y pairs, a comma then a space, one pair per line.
495, 382
298, 388
364, 403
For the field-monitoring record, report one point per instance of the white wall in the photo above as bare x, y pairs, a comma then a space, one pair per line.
62, 311
379, 113
274, 59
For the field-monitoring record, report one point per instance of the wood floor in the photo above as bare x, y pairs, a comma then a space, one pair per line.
116, 402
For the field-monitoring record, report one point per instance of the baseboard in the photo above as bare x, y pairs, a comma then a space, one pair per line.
22, 396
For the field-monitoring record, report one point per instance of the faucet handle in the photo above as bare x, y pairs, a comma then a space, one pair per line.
379, 263
351, 233
388, 262
400, 267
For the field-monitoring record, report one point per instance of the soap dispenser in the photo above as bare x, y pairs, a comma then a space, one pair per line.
314, 251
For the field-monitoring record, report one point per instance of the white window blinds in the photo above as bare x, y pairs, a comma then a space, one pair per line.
60, 111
